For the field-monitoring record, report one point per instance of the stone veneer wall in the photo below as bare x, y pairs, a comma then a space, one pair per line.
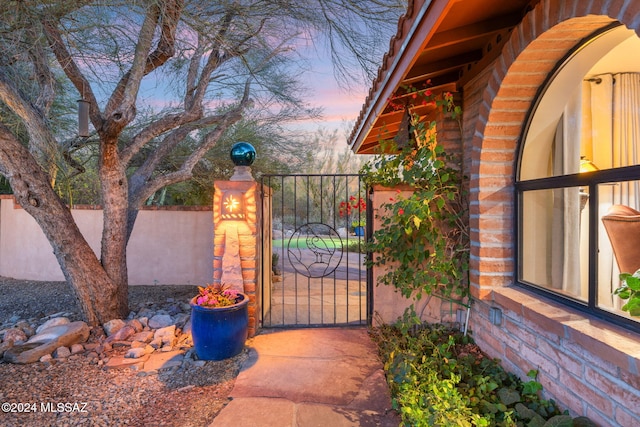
248, 243
586, 365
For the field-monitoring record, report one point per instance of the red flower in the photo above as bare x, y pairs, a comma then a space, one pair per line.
400, 211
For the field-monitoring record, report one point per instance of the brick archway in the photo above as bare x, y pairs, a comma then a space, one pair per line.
541, 40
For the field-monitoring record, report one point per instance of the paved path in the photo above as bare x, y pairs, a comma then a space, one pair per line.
310, 377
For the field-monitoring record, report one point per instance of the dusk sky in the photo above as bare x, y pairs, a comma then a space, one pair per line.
341, 106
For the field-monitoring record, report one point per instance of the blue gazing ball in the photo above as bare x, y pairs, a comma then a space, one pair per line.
243, 154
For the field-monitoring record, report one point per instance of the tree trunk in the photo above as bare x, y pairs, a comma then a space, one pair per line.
94, 289
113, 180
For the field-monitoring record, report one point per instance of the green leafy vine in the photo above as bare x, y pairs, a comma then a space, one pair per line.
423, 240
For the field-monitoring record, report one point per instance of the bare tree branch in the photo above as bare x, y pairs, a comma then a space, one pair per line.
143, 187
71, 69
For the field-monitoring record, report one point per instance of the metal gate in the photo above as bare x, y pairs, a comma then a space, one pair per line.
313, 272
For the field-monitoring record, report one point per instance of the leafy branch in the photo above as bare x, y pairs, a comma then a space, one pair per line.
630, 291
423, 239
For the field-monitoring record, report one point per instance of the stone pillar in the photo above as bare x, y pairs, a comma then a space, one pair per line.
235, 226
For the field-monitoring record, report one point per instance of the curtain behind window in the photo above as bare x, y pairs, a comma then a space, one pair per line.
615, 127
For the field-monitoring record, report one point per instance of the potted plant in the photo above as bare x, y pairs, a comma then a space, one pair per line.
355, 209
219, 322
358, 226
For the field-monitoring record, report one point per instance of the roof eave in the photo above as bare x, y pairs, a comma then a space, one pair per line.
423, 25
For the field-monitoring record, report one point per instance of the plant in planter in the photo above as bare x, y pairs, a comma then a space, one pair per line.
354, 209
630, 291
219, 322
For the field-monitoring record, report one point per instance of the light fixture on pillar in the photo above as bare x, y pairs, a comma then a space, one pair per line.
232, 205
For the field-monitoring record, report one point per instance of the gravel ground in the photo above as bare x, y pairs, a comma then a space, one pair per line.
77, 392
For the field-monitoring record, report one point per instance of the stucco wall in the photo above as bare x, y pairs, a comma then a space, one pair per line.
171, 246
388, 303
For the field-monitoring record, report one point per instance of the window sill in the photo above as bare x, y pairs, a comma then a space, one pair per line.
610, 343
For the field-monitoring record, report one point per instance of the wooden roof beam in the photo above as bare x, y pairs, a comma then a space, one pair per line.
447, 66
472, 32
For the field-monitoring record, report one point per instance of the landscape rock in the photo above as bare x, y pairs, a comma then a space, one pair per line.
136, 325
187, 328
47, 341
113, 326
135, 353
15, 335
4, 346
122, 334
61, 353
56, 321
144, 336
144, 321
165, 360
162, 333
181, 319
119, 362
77, 348
26, 328
160, 321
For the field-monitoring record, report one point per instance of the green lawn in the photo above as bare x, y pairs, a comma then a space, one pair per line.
302, 242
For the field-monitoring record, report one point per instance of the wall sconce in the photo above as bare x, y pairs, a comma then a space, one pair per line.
232, 205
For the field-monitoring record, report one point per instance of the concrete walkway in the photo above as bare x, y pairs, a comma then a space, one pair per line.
310, 377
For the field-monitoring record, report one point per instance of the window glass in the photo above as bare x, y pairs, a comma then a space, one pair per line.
553, 241
584, 135
584, 108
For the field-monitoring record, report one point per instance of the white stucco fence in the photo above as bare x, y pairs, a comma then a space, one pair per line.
168, 246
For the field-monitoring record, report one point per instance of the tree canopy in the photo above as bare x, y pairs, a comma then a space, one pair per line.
165, 82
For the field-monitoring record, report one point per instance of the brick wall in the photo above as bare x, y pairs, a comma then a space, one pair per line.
588, 366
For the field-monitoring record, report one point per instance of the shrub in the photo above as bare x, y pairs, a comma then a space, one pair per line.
439, 377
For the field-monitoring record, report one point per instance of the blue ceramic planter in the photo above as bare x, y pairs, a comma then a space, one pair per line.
219, 333
359, 231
